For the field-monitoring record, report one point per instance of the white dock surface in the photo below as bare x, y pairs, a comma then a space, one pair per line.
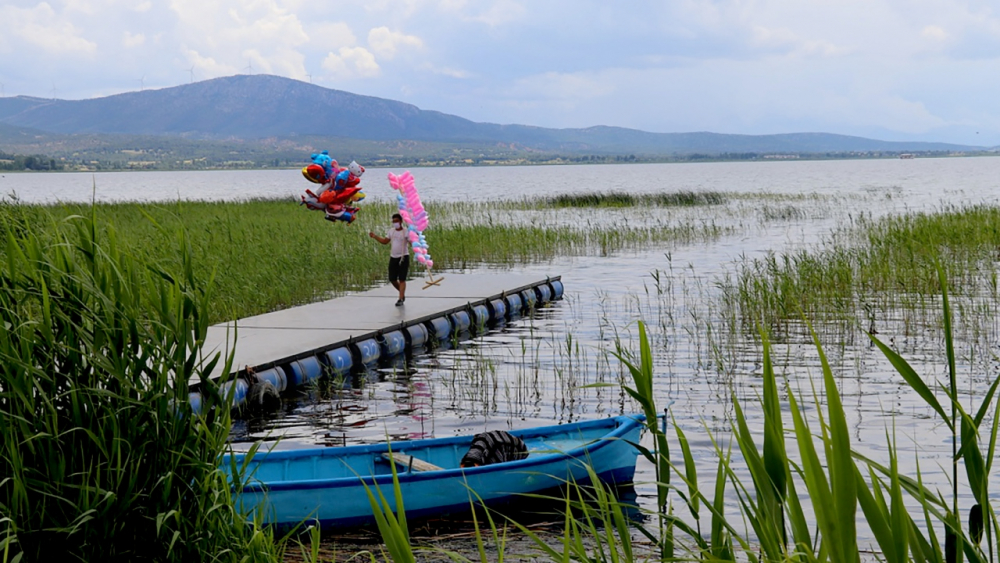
277, 337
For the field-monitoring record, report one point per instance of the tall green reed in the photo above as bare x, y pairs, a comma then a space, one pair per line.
102, 458
274, 254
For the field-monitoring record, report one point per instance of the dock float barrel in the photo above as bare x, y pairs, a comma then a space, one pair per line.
530, 298
274, 376
461, 322
367, 351
544, 293
305, 370
417, 335
482, 316
393, 343
498, 311
238, 387
514, 305
194, 399
440, 328
557, 289
339, 361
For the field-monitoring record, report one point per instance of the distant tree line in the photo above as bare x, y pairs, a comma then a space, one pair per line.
28, 162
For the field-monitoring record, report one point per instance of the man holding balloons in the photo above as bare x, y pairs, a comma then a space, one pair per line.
399, 255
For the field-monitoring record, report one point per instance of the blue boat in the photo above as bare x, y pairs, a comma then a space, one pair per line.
324, 485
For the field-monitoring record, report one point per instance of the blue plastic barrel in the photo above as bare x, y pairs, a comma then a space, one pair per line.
460, 321
418, 335
238, 387
514, 305
482, 314
393, 343
530, 298
544, 293
498, 311
305, 370
339, 361
367, 351
557, 289
440, 328
194, 398
275, 376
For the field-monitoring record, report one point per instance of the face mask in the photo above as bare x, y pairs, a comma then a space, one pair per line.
396, 224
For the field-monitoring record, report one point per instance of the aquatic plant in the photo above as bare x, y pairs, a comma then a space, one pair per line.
629, 199
873, 270
271, 254
102, 458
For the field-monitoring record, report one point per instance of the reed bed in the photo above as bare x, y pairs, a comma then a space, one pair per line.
266, 255
102, 458
629, 199
794, 491
873, 270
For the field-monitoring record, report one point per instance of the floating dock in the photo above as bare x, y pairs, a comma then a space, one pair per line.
277, 351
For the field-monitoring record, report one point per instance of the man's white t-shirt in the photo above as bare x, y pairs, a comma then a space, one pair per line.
397, 242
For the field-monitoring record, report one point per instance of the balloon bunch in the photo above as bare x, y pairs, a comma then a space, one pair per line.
415, 217
338, 187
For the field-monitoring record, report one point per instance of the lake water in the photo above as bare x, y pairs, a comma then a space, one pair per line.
532, 371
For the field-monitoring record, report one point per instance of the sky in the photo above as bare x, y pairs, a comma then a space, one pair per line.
890, 69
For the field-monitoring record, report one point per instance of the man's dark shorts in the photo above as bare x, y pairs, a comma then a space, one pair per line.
399, 268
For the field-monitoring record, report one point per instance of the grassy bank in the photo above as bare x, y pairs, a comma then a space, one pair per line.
272, 254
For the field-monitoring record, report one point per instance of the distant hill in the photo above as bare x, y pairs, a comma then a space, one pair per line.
248, 107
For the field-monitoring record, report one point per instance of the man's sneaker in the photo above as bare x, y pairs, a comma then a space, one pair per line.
399, 302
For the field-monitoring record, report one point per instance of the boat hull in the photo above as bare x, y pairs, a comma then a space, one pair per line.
327, 485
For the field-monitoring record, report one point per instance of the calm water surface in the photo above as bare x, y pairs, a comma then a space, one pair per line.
532, 371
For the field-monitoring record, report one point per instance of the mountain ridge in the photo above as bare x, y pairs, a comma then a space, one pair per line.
264, 106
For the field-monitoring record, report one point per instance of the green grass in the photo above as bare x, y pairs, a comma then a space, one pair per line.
273, 254
873, 268
794, 491
627, 199
101, 458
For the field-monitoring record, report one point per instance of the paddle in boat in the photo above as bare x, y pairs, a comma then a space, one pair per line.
324, 485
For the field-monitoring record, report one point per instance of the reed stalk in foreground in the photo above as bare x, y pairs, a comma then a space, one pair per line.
101, 456
809, 466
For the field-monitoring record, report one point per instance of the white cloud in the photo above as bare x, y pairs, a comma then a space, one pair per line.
143, 7
787, 42
129, 40
330, 36
352, 62
42, 27
934, 32
386, 43
562, 91
207, 67
501, 12
263, 33
444, 71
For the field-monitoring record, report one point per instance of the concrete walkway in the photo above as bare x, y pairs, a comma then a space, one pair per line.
282, 336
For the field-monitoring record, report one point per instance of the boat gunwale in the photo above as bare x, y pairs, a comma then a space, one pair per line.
624, 425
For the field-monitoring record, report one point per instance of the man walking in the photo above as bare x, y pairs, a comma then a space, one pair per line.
399, 255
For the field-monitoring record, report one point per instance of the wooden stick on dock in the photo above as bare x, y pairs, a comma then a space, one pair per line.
430, 279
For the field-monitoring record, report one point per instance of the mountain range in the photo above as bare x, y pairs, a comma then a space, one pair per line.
246, 108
